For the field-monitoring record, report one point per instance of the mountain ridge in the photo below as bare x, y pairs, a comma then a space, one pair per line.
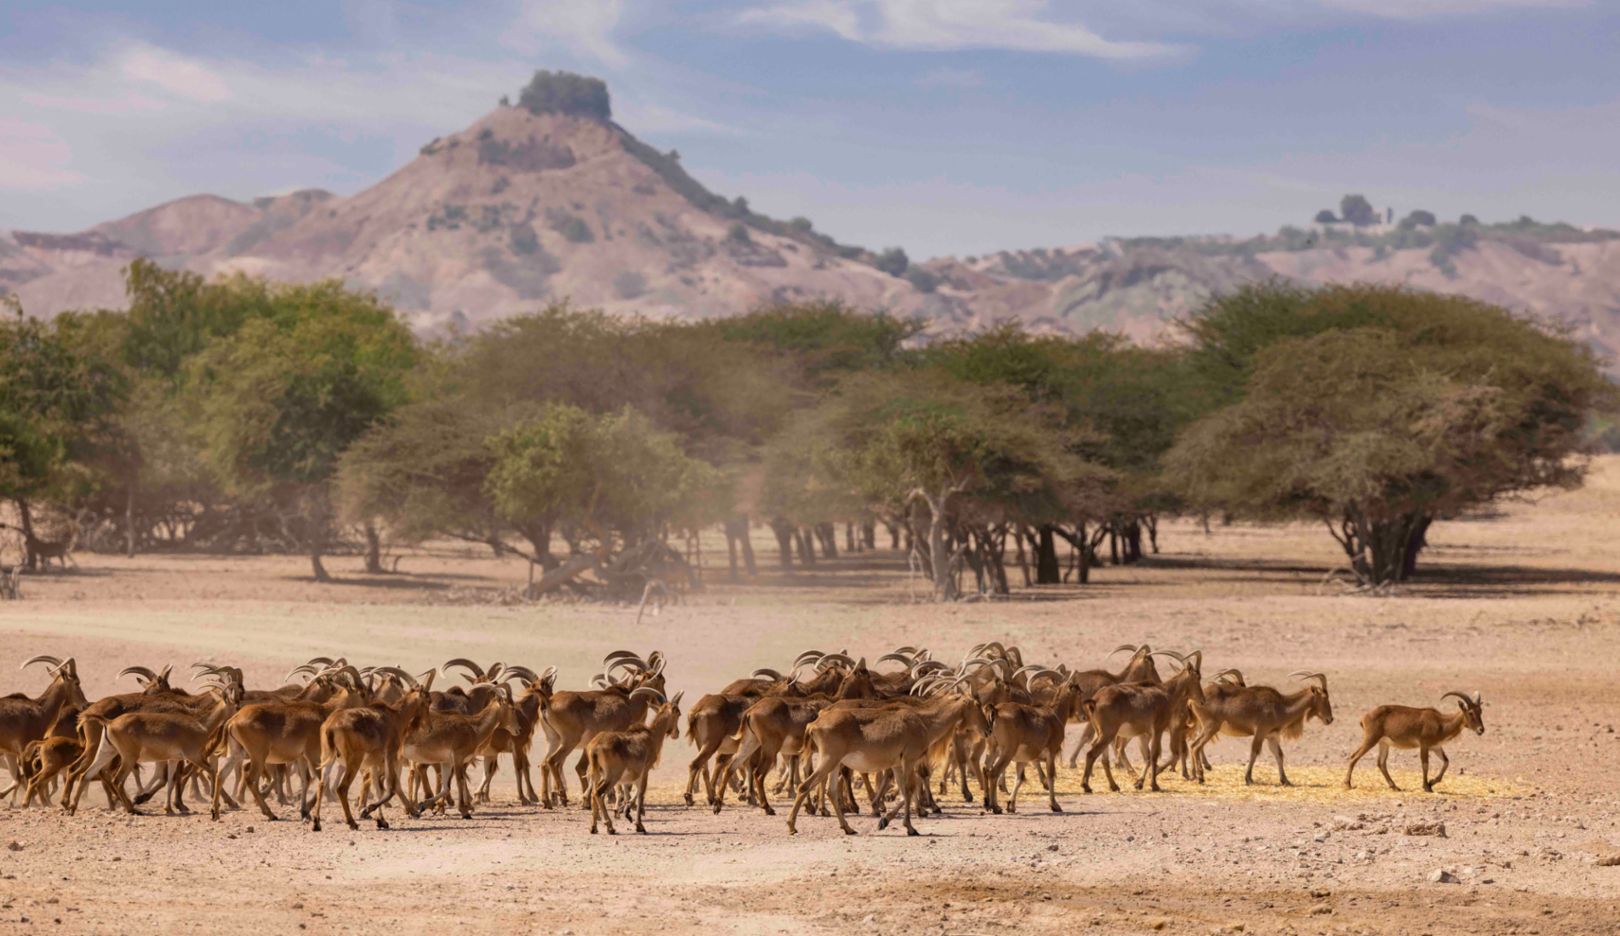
523, 208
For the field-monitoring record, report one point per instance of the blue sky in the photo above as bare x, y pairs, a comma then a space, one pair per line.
944, 126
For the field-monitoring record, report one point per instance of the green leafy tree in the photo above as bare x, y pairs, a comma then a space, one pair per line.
56, 402
946, 452
563, 92
1379, 410
1357, 210
280, 399
603, 481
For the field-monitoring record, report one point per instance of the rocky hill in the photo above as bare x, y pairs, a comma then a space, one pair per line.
531, 204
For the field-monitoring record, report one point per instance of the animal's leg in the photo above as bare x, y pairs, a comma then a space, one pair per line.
1276, 751
1254, 753
1350, 773
1384, 763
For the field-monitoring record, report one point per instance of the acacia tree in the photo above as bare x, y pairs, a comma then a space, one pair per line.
56, 402
603, 482
1379, 410
1123, 406
283, 396
942, 451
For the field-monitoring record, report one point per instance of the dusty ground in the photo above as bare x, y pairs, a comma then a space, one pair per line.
1523, 606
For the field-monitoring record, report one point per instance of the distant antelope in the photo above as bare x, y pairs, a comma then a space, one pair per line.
46, 550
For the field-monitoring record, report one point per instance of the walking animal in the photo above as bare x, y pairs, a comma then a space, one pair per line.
1423, 728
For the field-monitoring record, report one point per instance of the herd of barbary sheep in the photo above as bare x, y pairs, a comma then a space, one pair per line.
830, 726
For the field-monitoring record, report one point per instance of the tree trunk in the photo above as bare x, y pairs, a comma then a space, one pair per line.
1415, 544
939, 553
129, 520
784, 541
807, 550
566, 572
828, 535
25, 516
374, 564
1382, 552
849, 538
869, 535
1048, 571
747, 547
1022, 556
317, 517
1151, 521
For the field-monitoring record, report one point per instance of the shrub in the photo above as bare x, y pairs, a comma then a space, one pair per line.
563, 92
571, 226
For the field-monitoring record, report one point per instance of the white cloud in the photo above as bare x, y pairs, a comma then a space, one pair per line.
33, 158
1418, 9
1019, 25
582, 27
180, 76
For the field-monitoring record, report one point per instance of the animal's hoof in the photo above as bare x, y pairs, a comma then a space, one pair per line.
849, 831
640, 830
593, 830
613, 831
1056, 808
382, 823
883, 824
315, 826
911, 831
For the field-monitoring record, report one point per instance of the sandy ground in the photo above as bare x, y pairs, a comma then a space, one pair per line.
1523, 606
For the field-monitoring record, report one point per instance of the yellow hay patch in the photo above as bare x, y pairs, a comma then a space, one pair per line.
1311, 784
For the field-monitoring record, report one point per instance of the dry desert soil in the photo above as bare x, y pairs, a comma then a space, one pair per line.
1522, 605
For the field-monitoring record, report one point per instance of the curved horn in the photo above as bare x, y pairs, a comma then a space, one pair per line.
1111, 653
808, 656
476, 670
648, 692
1477, 700
145, 673
494, 672
1320, 678
519, 672
1237, 677
1466, 699
1194, 659
42, 658
896, 657
657, 667
399, 674
767, 673
835, 658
